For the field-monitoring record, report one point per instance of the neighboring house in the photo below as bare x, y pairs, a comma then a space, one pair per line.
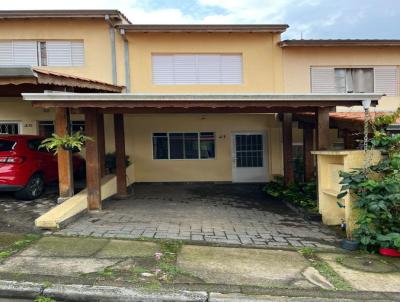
199, 102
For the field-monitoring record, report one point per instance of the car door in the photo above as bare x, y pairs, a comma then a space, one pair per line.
46, 160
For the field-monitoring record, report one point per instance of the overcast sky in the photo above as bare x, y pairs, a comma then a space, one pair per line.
310, 18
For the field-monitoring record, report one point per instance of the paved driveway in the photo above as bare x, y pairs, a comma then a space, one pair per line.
222, 213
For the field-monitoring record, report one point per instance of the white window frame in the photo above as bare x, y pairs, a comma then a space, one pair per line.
196, 75
183, 132
11, 122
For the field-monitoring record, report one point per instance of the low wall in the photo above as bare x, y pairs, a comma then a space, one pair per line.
63, 213
330, 163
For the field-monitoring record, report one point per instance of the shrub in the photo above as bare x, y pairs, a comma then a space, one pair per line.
300, 193
376, 192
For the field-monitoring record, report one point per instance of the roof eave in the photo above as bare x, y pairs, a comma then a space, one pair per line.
215, 28
339, 43
217, 97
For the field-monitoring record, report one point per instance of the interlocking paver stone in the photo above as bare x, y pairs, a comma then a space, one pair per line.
229, 214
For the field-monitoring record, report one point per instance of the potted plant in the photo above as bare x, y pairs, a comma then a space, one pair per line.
389, 244
74, 142
111, 162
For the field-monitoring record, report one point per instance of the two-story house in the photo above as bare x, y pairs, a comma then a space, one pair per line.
186, 102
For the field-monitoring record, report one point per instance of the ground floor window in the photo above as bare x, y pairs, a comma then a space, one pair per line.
188, 145
46, 128
9, 128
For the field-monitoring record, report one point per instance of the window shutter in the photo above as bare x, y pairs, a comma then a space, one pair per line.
162, 69
25, 53
200, 69
59, 53
6, 53
208, 69
231, 69
78, 53
386, 80
323, 80
65, 53
184, 69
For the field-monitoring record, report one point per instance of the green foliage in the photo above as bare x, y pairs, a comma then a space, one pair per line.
376, 192
111, 163
75, 141
303, 194
382, 121
44, 299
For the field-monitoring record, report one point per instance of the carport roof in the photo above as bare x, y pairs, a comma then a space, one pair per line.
201, 102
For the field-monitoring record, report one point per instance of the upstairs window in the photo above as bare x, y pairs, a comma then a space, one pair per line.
377, 79
197, 69
41, 53
354, 80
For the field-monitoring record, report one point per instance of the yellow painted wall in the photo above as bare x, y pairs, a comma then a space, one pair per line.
138, 136
262, 71
298, 60
94, 32
17, 110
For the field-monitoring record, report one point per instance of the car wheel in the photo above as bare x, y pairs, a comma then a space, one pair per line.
33, 189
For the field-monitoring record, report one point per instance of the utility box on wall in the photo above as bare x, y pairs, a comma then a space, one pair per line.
329, 164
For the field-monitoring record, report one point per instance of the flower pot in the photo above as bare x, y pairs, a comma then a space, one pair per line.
67, 148
389, 252
349, 245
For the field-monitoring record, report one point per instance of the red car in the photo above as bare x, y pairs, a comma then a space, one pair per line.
25, 168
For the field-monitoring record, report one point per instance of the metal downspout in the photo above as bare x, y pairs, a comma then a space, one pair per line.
126, 62
113, 50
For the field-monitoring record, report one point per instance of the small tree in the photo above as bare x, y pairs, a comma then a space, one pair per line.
376, 190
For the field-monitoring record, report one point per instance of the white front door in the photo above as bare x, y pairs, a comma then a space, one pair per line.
248, 157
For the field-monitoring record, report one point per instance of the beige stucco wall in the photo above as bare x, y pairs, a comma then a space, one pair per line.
262, 68
138, 136
94, 32
297, 62
17, 110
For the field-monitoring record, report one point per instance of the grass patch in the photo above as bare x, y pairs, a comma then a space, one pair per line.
139, 270
19, 245
44, 299
325, 269
107, 272
153, 285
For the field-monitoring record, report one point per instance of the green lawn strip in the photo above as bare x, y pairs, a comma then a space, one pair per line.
18, 245
44, 299
325, 270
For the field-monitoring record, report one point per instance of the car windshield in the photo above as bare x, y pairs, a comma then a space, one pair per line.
6, 145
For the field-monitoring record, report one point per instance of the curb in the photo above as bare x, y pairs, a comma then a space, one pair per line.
88, 293
24, 290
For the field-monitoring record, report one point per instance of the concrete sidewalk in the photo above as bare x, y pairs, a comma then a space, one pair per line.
175, 268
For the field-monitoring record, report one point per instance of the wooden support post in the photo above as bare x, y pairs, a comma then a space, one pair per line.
64, 157
93, 173
322, 127
287, 148
308, 146
102, 143
119, 133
